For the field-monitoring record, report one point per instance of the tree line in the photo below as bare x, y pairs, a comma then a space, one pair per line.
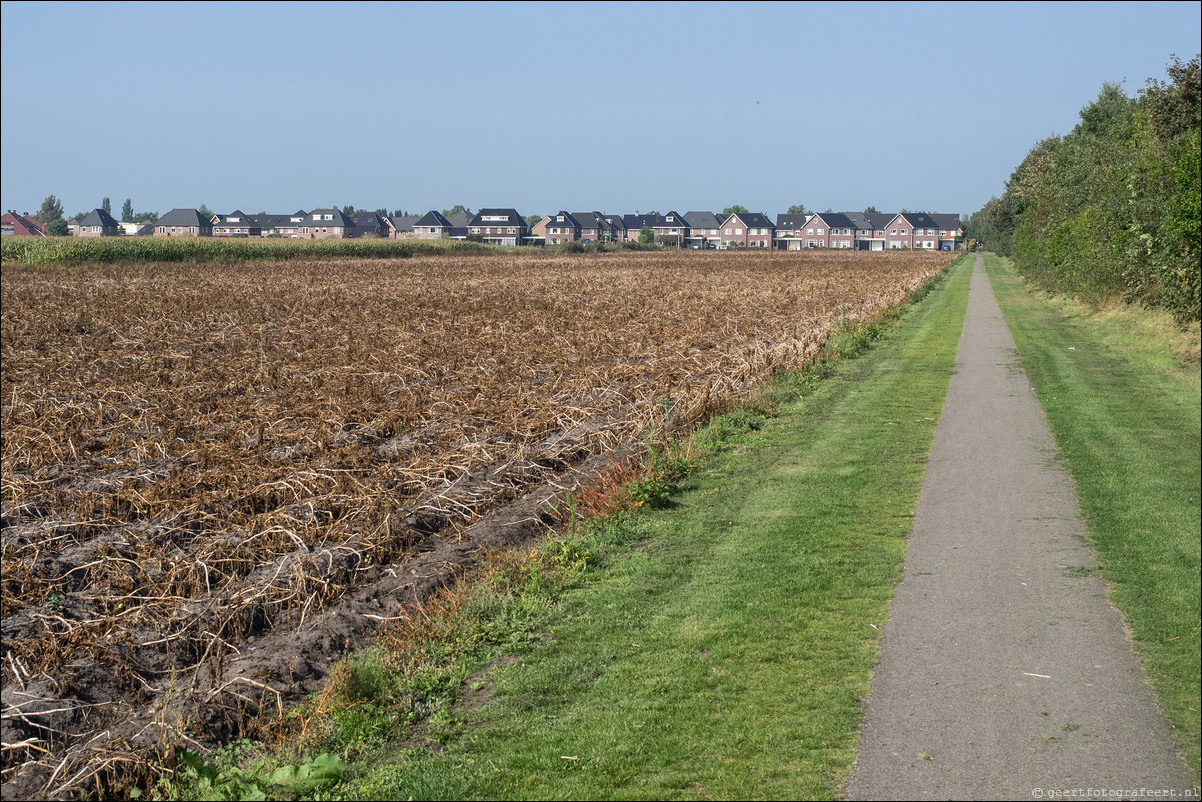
1112, 209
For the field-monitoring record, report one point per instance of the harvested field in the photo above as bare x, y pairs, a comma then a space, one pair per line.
217, 478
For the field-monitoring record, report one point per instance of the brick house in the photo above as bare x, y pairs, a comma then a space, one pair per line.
747, 230
236, 224
870, 229
500, 226
21, 225
98, 223
369, 225
183, 223
562, 227
912, 231
593, 227
401, 227
704, 228
327, 224
612, 227
671, 229
951, 234
790, 230
829, 230
538, 231
633, 224
432, 226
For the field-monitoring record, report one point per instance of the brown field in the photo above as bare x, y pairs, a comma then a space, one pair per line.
213, 474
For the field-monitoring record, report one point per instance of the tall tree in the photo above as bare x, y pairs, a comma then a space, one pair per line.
456, 209
52, 209
736, 209
872, 210
349, 211
107, 205
533, 219
127, 211
58, 228
204, 211
797, 208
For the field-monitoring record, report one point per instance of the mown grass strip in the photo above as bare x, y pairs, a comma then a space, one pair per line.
726, 652
1124, 411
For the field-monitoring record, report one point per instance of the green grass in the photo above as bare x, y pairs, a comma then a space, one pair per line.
134, 250
720, 645
1123, 408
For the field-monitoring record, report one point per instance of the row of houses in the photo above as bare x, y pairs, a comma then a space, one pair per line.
840, 230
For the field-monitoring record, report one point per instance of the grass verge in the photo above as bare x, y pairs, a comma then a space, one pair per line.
1122, 401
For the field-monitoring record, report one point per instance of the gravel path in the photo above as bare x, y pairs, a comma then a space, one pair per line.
1005, 673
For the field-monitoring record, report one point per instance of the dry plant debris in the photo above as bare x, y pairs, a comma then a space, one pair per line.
197, 455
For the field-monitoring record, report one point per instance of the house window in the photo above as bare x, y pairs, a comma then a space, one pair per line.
820, 231
810, 231
893, 231
512, 231
903, 232
738, 231
728, 232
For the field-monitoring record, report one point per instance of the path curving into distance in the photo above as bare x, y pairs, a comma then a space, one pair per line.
1004, 671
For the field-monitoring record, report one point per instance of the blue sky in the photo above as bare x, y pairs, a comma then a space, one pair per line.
577, 106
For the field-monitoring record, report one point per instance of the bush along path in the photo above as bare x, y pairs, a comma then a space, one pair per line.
717, 646
1004, 672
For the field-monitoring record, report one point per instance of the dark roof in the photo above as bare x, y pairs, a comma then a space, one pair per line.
677, 220
633, 221
433, 218
568, 220
791, 221
337, 218
920, 219
184, 218
702, 220
238, 218
513, 218
947, 222
99, 217
461, 219
368, 221
753, 219
588, 220
273, 220
836, 220
615, 221
403, 223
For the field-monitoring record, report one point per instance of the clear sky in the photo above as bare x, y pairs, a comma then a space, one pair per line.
546, 106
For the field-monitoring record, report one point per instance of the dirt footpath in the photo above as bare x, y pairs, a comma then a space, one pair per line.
1005, 673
